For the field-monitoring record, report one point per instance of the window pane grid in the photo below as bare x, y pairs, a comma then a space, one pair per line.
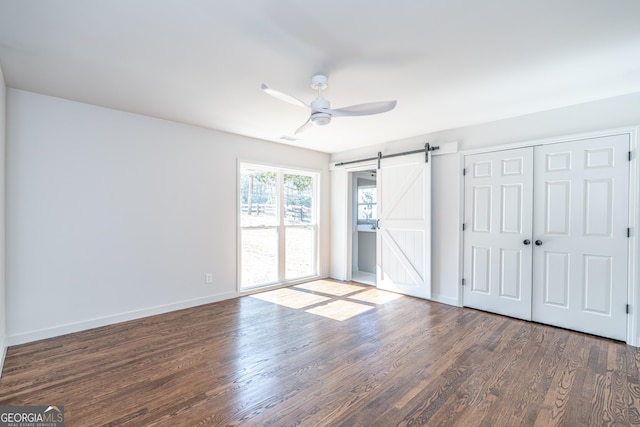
367, 211
278, 234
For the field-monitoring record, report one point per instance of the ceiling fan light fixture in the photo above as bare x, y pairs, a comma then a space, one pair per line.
320, 119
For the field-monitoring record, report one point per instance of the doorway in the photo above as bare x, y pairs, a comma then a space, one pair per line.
402, 221
363, 226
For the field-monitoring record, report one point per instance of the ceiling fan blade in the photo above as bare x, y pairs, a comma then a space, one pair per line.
364, 109
304, 127
283, 96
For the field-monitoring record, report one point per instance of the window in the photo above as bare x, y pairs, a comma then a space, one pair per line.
367, 213
278, 225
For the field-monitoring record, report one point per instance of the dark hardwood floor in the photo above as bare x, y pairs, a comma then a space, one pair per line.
257, 361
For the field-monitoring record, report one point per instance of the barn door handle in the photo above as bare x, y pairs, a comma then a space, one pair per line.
527, 242
538, 242
378, 224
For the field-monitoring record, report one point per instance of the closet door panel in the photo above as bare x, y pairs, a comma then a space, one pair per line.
498, 209
580, 222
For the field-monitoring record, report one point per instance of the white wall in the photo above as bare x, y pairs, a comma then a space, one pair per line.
340, 204
3, 305
113, 216
446, 177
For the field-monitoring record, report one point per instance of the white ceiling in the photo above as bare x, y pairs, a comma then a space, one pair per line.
449, 63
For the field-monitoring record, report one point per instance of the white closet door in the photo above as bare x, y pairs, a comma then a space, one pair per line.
580, 231
404, 234
497, 237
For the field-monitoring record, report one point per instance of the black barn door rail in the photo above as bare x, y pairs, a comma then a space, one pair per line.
427, 148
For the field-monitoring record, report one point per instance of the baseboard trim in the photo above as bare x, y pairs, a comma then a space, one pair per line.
69, 328
445, 300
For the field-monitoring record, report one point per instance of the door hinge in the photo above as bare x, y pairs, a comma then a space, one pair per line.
463, 282
628, 231
464, 171
628, 308
463, 226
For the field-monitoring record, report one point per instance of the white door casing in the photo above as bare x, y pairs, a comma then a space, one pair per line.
497, 238
404, 234
580, 223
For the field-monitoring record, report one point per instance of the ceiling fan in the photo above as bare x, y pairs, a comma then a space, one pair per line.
321, 112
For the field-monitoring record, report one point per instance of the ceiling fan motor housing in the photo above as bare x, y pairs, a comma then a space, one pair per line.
319, 116
320, 119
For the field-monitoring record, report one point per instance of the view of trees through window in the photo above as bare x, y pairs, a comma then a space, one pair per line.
367, 205
278, 225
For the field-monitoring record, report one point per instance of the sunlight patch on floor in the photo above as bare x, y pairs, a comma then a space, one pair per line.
290, 298
375, 296
330, 288
334, 300
340, 310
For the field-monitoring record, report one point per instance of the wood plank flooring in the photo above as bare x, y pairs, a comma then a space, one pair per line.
399, 361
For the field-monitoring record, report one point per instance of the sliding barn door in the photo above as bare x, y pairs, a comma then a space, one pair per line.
580, 232
404, 234
497, 238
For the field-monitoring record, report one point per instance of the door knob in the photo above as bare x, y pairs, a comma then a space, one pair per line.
527, 242
538, 242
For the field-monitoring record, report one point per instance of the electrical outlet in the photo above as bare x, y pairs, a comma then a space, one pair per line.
208, 278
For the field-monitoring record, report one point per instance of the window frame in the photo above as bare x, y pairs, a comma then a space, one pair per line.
281, 225
371, 221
